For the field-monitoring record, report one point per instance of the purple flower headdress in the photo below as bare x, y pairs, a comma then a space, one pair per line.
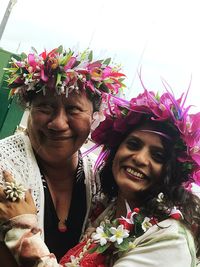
63, 71
122, 115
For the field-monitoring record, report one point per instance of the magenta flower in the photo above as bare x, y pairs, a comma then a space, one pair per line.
196, 176
70, 63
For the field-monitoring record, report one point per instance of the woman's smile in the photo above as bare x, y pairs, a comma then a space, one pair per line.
137, 164
58, 126
134, 173
58, 136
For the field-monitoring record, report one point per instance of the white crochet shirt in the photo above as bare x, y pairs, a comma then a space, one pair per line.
17, 157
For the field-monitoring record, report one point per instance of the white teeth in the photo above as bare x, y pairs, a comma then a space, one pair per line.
137, 174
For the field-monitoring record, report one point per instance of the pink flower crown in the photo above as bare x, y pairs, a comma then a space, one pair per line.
63, 71
122, 115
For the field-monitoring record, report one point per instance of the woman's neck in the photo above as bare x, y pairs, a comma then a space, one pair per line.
121, 209
59, 170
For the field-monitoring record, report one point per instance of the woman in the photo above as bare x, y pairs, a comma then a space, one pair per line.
149, 162
63, 90
151, 155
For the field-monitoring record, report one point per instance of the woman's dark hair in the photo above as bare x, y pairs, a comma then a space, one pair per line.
171, 184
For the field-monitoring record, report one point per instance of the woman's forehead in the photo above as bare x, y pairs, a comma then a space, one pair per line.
148, 137
158, 128
52, 97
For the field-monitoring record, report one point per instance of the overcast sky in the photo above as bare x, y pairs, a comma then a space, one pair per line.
161, 36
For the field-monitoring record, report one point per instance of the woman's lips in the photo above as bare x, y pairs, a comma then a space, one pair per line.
135, 173
58, 138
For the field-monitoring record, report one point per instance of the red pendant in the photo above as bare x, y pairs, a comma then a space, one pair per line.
62, 226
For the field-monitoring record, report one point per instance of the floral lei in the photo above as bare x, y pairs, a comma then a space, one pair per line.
117, 236
63, 71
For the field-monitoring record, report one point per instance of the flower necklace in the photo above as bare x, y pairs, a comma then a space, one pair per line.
118, 235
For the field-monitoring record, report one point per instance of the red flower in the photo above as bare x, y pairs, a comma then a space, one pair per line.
89, 260
137, 210
128, 226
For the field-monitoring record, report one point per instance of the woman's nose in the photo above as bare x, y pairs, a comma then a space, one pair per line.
59, 121
141, 157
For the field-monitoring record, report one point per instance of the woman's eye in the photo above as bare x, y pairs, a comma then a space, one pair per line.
133, 144
73, 110
45, 109
159, 156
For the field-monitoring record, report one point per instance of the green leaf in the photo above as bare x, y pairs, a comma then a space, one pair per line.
90, 56
94, 249
157, 96
60, 49
64, 60
84, 54
124, 245
101, 249
58, 78
23, 56
107, 61
10, 69
34, 50
12, 79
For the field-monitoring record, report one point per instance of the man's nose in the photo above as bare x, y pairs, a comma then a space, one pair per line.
59, 121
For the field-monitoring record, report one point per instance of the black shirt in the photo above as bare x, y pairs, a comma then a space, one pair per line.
60, 242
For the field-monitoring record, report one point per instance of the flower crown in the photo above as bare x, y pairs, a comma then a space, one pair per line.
122, 115
63, 71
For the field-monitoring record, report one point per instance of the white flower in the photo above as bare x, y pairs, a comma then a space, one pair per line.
100, 235
160, 197
74, 262
119, 234
146, 224
98, 117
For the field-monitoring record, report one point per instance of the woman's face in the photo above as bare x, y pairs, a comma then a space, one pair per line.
59, 125
138, 162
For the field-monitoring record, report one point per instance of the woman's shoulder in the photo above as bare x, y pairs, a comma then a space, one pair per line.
169, 229
169, 237
13, 141
17, 157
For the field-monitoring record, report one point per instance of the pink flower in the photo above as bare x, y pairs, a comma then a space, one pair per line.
196, 176
195, 153
70, 63
96, 74
43, 76
96, 64
90, 85
31, 61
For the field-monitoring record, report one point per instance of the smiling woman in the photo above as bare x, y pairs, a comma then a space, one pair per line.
60, 125
147, 166
62, 90
138, 162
